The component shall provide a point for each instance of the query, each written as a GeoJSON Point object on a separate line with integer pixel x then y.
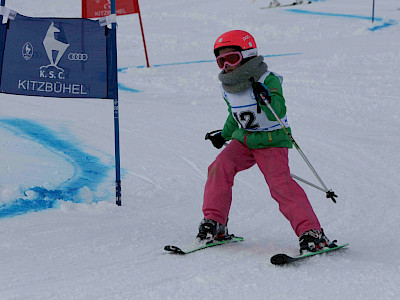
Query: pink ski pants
{"type": "Point", "coordinates": [274, 164]}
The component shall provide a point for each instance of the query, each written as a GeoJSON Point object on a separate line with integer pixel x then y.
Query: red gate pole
{"type": "Point", "coordinates": [83, 9]}
{"type": "Point", "coordinates": [141, 28]}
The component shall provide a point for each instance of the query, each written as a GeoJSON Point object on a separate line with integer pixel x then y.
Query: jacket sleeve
{"type": "Point", "coordinates": [273, 83]}
{"type": "Point", "coordinates": [230, 124]}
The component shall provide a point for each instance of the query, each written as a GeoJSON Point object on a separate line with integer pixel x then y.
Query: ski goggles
{"type": "Point", "coordinates": [234, 58]}
{"type": "Point", "coordinates": [231, 59]}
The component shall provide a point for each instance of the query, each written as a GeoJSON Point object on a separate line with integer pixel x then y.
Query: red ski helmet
{"type": "Point", "coordinates": [237, 38]}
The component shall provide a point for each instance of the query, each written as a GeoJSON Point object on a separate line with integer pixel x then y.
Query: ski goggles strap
{"type": "Point", "coordinates": [249, 53]}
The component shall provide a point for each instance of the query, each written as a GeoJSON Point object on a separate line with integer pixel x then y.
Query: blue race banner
{"type": "Point", "coordinates": [61, 58]}
{"type": "Point", "coordinates": [55, 57]}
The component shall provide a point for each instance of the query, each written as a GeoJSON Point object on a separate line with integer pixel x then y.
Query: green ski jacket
{"type": "Point", "coordinates": [235, 125]}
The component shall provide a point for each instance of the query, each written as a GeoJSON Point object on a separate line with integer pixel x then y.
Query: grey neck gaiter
{"type": "Point", "coordinates": [239, 80]}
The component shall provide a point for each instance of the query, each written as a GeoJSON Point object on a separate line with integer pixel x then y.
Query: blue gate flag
{"type": "Point", "coordinates": [61, 58]}
{"type": "Point", "coordinates": [56, 57]}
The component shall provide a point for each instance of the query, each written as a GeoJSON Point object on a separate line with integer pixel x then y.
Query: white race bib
{"type": "Point", "coordinates": [244, 110]}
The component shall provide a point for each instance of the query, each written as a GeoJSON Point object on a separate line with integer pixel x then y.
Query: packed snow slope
{"type": "Point", "coordinates": [341, 75]}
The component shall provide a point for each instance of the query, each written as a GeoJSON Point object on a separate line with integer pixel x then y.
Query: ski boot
{"type": "Point", "coordinates": [298, 2]}
{"type": "Point", "coordinates": [210, 230]}
{"type": "Point", "coordinates": [314, 240]}
{"type": "Point", "coordinates": [274, 3]}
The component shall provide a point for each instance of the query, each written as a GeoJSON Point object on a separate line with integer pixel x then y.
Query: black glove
{"type": "Point", "coordinates": [217, 140]}
{"type": "Point", "coordinates": [261, 92]}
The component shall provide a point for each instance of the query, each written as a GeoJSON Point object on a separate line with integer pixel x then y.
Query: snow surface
{"type": "Point", "coordinates": [342, 92]}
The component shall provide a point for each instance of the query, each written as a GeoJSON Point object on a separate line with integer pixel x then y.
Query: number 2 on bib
{"type": "Point", "coordinates": [246, 120]}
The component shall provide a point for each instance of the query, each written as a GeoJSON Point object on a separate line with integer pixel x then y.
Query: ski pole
{"type": "Point", "coordinates": [329, 193]}
{"type": "Point", "coordinates": [307, 182]}
{"type": "Point", "coordinates": [209, 134]}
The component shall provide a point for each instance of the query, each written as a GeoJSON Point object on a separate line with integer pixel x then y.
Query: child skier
{"type": "Point", "coordinates": [256, 138]}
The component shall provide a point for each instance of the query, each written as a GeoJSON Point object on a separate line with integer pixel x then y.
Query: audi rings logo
{"type": "Point", "coordinates": [78, 56]}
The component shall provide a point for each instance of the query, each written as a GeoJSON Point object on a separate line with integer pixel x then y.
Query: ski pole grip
{"type": "Point", "coordinates": [209, 134]}
{"type": "Point", "coordinates": [261, 93]}
{"type": "Point", "coordinates": [255, 95]}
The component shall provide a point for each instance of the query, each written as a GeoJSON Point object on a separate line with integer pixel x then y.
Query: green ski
{"type": "Point", "coordinates": [283, 259]}
{"type": "Point", "coordinates": [196, 246]}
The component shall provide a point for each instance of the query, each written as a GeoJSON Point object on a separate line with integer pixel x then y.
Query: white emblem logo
{"type": "Point", "coordinates": [51, 44]}
{"type": "Point", "coordinates": [27, 51]}
{"type": "Point", "coordinates": [108, 5]}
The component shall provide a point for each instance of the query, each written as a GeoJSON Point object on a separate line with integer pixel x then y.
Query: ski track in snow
{"type": "Point", "coordinates": [343, 98]}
